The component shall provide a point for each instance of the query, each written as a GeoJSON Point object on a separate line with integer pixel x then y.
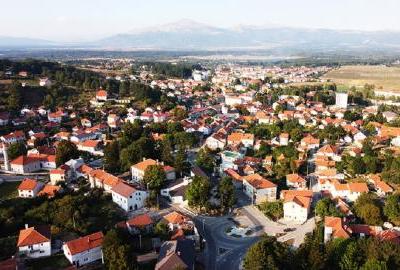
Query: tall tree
{"type": "Point", "coordinates": [268, 253]}
{"type": "Point", "coordinates": [16, 149]}
{"type": "Point", "coordinates": [198, 192]}
{"type": "Point", "coordinates": [65, 151]}
{"type": "Point", "coordinates": [111, 157]}
{"type": "Point", "coordinates": [118, 254]}
{"type": "Point", "coordinates": [226, 192]}
{"type": "Point", "coordinates": [154, 177]}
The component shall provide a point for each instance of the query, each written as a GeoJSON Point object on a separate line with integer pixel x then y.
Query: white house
{"type": "Point", "coordinates": [216, 141]}
{"type": "Point", "coordinates": [296, 205]}
{"type": "Point", "coordinates": [139, 169]}
{"type": "Point", "coordinates": [29, 188]}
{"type": "Point", "coordinates": [259, 189]}
{"type": "Point", "coordinates": [176, 190]}
{"type": "Point", "coordinates": [128, 197]}
{"type": "Point", "coordinates": [35, 242]}
{"type": "Point", "coordinates": [84, 250]}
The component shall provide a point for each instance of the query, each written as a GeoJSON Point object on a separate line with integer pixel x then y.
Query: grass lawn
{"type": "Point", "coordinates": [8, 190]}
{"type": "Point", "coordinates": [53, 262]}
{"type": "Point", "coordinates": [383, 77]}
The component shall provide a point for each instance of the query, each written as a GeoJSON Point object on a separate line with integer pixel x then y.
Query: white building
{"type": "Point", "coordinates": [296, 205]}
{"type": "Point", "coordinates": [29, 188]}
{"type": "Point", "coordinates": [35, 242]}
{"type": "Point", "coordinates": [128, 197]}
{"type": "Point", "coordinates": [259, 189]}
{"type": "Point", "coordinates": [84, 250]}
{"type": "Point", "coordinates": [138, 170]}
{"type": "Point", "coordinates": [341, 100]}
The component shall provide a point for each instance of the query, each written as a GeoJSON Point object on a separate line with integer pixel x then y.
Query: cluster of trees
{"type": "Point", "coordinates": [179, 70]}
{"type": "Point", "coordinates": [326, 207]}
{"type": "Point", "coordinates": [71, 211]}
{"type": "Point", "coordinates": [343, 254]}
{"type": "Point", "coordinates": [16, 149]}
{"type": "Point", "coordinates": [273, 210]}
{"type": "Point", "coordinates": [135, 143]}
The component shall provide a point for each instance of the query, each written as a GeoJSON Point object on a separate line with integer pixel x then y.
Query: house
{"type": "Point", "coordinates": [91, 146]}
{"type": "Point", "coordinates": [228, 159]}
{"type": "Point", "coordinates": [55, 117]}
{"type": "Point", "coordinates": [259, 189]}
{"type": "Point", "coordinates": [177, 254]}
{"type": "Point", "coordinates": [61, 174]}
{"type": "Point", "coordinates": [296, 205]}
{"type": "Point", "coordinates": [178, 222]}
{"type": "Point", "coordinates": [102, 179]}
{"type": "Point", "coordinates": [139, 169]}
{"type": "Point", "coordinates": [236, 138]}
{"type": "Point", "coordinates": [381, 187]}
{"type": "Point", "coordinates": [44, 82]}
{"type": "Point", "coordinates": [35, 242]}
{"type": "Point", "coordinates": [101, 95]}
{"type": "Point", "coordinates": [4, 118]}
{"type": "Point", "coordinates": [296, 181]}
{"type": "Point", "coordinates": [127, 197]}
{"type": "Point", "coordinates": [84, 250]}
{"type": "Point", "coordinates": [334, 228]}
{"type": "Point", "coordinates": [140, 223]}
{"type": "Point", "coordinates": [284, 139]}
{"type": "Point", "coordinates": [175, 191]}
{"type": "Point", "coordinates": [49, 191]}
{"type": "Point", "coordinates": [216, 141]}
{"type": "Point", "coordinates": [310, 142]}
{"type": "Point", "coordinates": [113, 120]}
{"type": "Point", "coordinates": [13, 137]}
{"type": "Point", "coordinates": [29, 188]}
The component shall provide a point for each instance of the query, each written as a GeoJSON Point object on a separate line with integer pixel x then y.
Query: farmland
{"type": "Point", "coordinates": [383, 77]}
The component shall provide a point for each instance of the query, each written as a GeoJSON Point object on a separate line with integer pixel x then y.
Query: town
{"type": "Point", "coordinates": [179, 166]}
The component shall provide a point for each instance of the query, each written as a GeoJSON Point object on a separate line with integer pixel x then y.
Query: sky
{"type": "Point", "coordinates": [84, 20]}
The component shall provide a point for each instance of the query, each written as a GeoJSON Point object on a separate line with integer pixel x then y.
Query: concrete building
{"type": "Point", "coordinates": [341, 100]}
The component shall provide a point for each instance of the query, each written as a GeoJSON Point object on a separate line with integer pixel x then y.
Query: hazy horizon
{"type": "Point", "coordinates": [76, 20]}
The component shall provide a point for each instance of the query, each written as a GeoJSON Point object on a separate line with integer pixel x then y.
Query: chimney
{"type": "Point", "coordinates": [26, 226]}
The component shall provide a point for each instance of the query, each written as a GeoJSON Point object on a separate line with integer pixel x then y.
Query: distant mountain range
{"type": "Point", "coordinates": [191, 35]}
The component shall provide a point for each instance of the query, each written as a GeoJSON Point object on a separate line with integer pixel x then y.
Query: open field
{"type": "Point", "coordinates": [383, 77]}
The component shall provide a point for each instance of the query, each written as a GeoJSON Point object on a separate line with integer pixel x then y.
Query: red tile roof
{"type": "Point", "coordinates": [85, 243]}
{"type": "Point", "coordinates": [31, 236]}
{"type": "Point", "coordinates": [123, 189]}
{"type": "Point", "coordinates": [28, 184]}
{"type": "Point", "coordinates": [140, 221]}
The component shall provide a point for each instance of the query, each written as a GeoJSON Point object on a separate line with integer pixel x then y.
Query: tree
{"type": "Point", "coordinates": [226, 192]}
{"type": "Point", "coordinates": [161, 229]}
{"type": "Point", "coordinates": [273, 210]}
{"type": "Point", "coordinates": [66, 150]}
{"type": "Point", "coordinates": [374, 264]}
{"type": "Point", "coordinates": [111, 157]}
{"type": "Point", "coordinates": [166, 152]}
{"type": "Point", "coordinates": [392, 208]}
{"type": "Point", "coordinates": [154, 177]}
{"type": "Point", "coordinates": [135, 152]}
{"type": "Point", "coordinates": [268, 254]}
{"type": "Point", "coordinates": [117, 252]}
{"type": "Point", "coordinates": [198, 192]}
{"type": "Point", "coordinates": [368, 209]}
{"type": "Point", "coordinates": [326, 207]}
{"type": "Point", "coordinates": [205, 160]}
{"type": "Point", "coordinates": [131, 132]}
{"type": "Point", "coordinates": [14, 101]}
{"type": "Point", "coordinates": [181, 165]}
{"type": "Point", "coordinates": [15, 150]}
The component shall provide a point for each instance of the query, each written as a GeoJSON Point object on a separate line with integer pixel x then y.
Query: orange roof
{"type": "Point", "coordinates": [24, 160]}
{"type": "Point", "coordinates": [90, 143]}
{"type": "Point", "coordinates": [258, 182]}
{"type": "Point", "coordinates": [390, 131]}
{"type": "Point", "coordinates": [85, 243]}
{"type": "Point", "coordinates": [28, 184]}
{"type": "Point", "coordinates": [30, 236]}
{"type": "Point", "coordinates": [175, 218]}
{"type": "Point", "coordinates": [328, 149]}
{"type": "Point", "coordinates": [358, 187]}
{"type": "Point", "coordinates": [142, 166]}
{"type": "Point", "coordinates": [237, 137]}
{"type": "Point", "coordinates": [140, 221]}
{"type": "Point", "coordinates": [123, 189]}
{"type": "Point", "coordinates": [292, 193]}
{"type": "Point", "coordinates": [101, 93]}
{"type": "Point", "coordinates": [85, 169]}
{"type": "Point", "coordinates": [383, 186]}
{"type": "Point", "coordinates": [57, 171]}
{"type": "Point", "coordinates": [235, 176]}
{"type": "Point", "coordinates": [310, 140]}
{"type": "Point", "coordinates": [295, 178]}
{"type": "Point", "coordinates": [300, 200]}
{"type": "Point", "coordinates": [338, 230]}
{"type": "Point", "coordinates": [49, 191]}
{"type": "Point", "coordinates": [104, 177]}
